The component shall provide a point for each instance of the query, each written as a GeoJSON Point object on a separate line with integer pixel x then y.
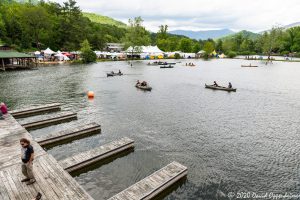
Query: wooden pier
{"type": "Point", "coordinates": [81, 160]}
{"type": "Point", "coordinates": [70, 134]}
{"type": "Point", "coordinates": [51, 179]}
{"type": "Point", "coordinates": [35, 110]}
{"type": "Point", "coordinates": [50, 120]}
{"type": "Point", "coordinates": [154, 184]}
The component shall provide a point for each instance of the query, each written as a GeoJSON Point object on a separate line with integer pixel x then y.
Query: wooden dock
{"type": "Point", "coordinates": [81, 160]}
{"type": "Point", "coordinates": [35, 110]}
{"type": "Point", "coordinates": [154, 184]}
{"type": "Point", "coordinates": [50, 120]}
{"type": "Point", "coordinates": [52, 180]}
{"type": "Point", "coordinates": [70, 134]}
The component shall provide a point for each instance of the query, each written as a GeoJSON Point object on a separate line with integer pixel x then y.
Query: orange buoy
{"type": "Point", "coordinates": [90, 94]}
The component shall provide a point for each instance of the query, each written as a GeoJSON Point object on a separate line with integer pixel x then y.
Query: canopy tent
{"type": "Point", "coordinates": [145, 50]}
{"type": "Point", "coordinates": [61, 56]}
{"type": "Point", "coordinates": [66, 53]}
{"type": "Point", "coordinates": [48, 51]}
{"type": "Point", "coordinates": [222, 55]}
{"type": "Point", "coordinates": [214, 53]}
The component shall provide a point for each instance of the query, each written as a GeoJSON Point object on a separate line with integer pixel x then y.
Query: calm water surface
{"type": "Point", "coordinates": [246, 141]}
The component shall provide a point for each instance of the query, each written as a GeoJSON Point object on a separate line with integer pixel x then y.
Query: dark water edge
{"type": "Point", "coordinates": [246, 141]}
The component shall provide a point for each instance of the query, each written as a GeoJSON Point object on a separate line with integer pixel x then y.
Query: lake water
{"type": "Point", "coordinates": [246, 141]}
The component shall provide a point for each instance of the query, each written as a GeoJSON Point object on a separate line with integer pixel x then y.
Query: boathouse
{"type": "Point", "coordinates": [10, 59]}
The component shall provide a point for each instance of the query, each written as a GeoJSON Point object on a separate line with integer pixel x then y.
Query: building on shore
{"type": "Point", "coordinates": [114, 47]}
{"type": "Point", "coordinates": [15, 60]}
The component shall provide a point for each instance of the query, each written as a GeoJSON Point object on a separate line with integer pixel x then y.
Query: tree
{"type": "Point", "coordinates": [2, 28]}
{"type": "Point", "coordinates": [271, 40]}
{"type": "Point", "coordinates": [196, 47]}
{"type": "Point", "coordinates": [291, 39]}
{"type": "Point", "coordinates": [219, 46]}
{"type": "Point", "coordinates": [163, 44]}
{"type": "Point", "coordinates": [34, 21]}
{"type": "Point", "coordinates": [162, 32]}
{"type": "Point", "coordinates": [185, 45]}
{"type": "Point", "coordinates": [136, 35]}
{"type": "Point", "coordinates": [208, 47]}
{"type": "Point", "coordinates": [87, 54]}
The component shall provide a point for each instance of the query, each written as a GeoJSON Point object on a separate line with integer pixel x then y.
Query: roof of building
{"type": "Point", "coordinates": [14, 54]}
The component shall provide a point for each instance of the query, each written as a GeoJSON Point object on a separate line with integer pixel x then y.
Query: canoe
{"type": "Point", "coordinates": [146, 88]}
{"type": "Point", "coordinates": [114, 74]}
{"type": "Point", "coordinates": [249, 66]}
{"type": "Point", "coordinates": [165, 66]}
{"type": "Point", "coordinates": [162, 63]}
{"type": "Point", "coordinates": [220, 88]}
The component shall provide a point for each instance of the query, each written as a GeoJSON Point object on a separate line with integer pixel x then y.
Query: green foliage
{"type": "Point", "coordinates": [177, 56]}
{"type": "Point", "coordinates": [196, 48]}
{"type": "Point", "coordinates": [163, 32]}
{"type": "Point", "coordinates": [100, 19]}
{"type": "Point", "coordinates": [49, 24]}
{"type": "Point", "coordinates": [272, 40]}
{"type": "Point", "coordinates": [231, 54]}
{"type": "Point", "coordinates": [185, 45]}
{"type": "Point", "coordinates": [208, 47]}
{"type": "Point", "coordinates": [87, 54]}
{"type": "Point", "coordinates": [244, 34]}
{"type": "Point", "coordinates": [136, 35]}
{"type": "Point", "coordinates": [219, 46]}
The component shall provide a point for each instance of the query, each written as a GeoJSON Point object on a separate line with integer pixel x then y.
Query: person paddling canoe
{"type": "Point", "coordinates": [215, 84]}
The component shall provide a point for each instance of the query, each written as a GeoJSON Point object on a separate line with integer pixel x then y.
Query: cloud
{"type": "Point", "coordinates": [255, 15]}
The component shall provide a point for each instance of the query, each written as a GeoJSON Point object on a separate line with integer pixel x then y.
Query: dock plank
{"type": "Point", "coordinates": [83, 159]}
{"type": "Point", "coordinates": [49, 120]}
{"type": "Point", "coordinates": [62, 136]}
{"type": "Point", "coordinates": [35, 110]}
{"type": "Point", "coordinates": [52, 180]}
{"type": "Point", "coordinates": [154, 184]}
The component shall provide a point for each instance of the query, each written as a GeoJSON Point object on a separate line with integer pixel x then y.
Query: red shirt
{"type": "Point", "coordinates": [3, 109]}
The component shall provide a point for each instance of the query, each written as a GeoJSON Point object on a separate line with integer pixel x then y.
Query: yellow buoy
{"type": "Point", "coordinates": [90, 94]}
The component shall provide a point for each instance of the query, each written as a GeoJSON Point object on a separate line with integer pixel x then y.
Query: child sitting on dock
{"type": "Point", "coordinates": [3, 110]}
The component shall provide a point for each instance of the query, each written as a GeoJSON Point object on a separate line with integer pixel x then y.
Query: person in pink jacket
{"type": "Point", "coordinates": [3, 110]}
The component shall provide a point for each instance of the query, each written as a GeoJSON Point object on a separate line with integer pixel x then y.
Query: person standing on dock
{"type": "Point", "coordinates": [27, 157]}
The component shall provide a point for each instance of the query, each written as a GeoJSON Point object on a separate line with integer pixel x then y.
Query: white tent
{"type": "Point", "coordinates": [145, 49]}
{"type": "Point", "coordinates": [201, 52]}
{"type": "Point", "coordinates": [37, 53]}
{"type": "Point", "coordinates": [48, 51]}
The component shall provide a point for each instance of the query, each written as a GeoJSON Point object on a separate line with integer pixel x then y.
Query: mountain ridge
{"type": "Point", "coordinates": [203, 35]}
{"type": "Point", "coordinates": [101, 19]}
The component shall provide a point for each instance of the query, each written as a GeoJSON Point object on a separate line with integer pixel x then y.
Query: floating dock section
{"type": "Point", "coordinates": [70, 134]}
{"type": "Point", "coordinates": [50, 120]}
{"type": "Point", "coordinates": [84, 159]}
{"type": "Point", "coordinates": [35, 110]}
{"type": "Point", "coordinates": [52, 181]}
{"type": "Point", "coordinates": [154, 184]}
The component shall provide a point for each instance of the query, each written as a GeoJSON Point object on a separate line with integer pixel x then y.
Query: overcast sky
{"type": "Point", "coordinates": [254, 15]}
